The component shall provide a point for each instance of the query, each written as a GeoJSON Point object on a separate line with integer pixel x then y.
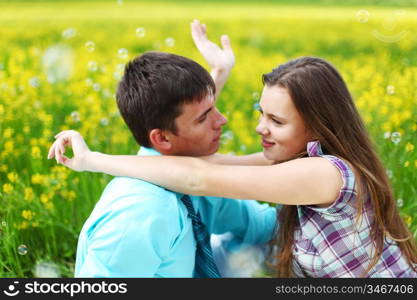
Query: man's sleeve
{"type": "Point", "coordinates": [248, 220]}
{"type": "Point", "coordinates": [131, 241]}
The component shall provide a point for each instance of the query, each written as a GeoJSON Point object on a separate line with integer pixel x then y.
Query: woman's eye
{"type": "Point", "coordinates": [276, 122]}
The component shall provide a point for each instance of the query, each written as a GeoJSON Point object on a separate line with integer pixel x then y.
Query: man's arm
{"type": "Point", "coordinates": [249, 221]}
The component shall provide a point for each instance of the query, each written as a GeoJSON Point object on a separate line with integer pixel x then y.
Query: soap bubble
{"type": "Point", "coordinates": [92, 66]}
{"type": "Point", "coordinates": [57, 63]}
{"type": "Point", "coordinates": [90, 46]}
{"type": "Point", "coordinates": [170, 42]}
{"type": "Point", "coordinates": [69, 33]}
{"type": "Point", "coordinates": [396, 137]}
{"type": "Point", "coordinates": [362, 15]}
{"type": "Point", "coordinates": [46, 269]}
{"type": "Point", "coordinates": [122, 53]}
{"type": "Point", "coordinates": [140, 32]}
{"type": "Point", "coordinates": [22, 249]}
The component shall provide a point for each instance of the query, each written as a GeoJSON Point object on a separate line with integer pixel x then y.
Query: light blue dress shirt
{"type": "Point", "coordinates": [138, 229]}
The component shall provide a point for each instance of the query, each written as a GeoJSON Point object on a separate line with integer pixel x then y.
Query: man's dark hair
{"type": "Point", "coordinates": [153, 89]}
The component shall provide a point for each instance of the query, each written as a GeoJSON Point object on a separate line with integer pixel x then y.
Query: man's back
{"type": "Point", "coordinates": [137, 229]}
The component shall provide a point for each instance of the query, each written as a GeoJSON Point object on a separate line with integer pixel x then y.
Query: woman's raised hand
{"type": "Point", "coordinates": [73, 139]}
{"type": "Point", "coordinates": [217, 58]}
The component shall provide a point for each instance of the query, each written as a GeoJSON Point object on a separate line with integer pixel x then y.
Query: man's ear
{"type": "Point", "coordinates": [160, 140]}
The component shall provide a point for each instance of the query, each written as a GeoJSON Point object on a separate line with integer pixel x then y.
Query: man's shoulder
{"type": "Point", "coordinates": [129, 186]}
{"type": "Point", "coordinates": [124, 192]}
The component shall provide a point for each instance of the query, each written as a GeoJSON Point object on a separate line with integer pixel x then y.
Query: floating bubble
{"type": "Point", "coordinates": [89, 82]}
{"type": "Point", "coordinates": [92, 66]}
{"type": "Point", "coordinates": [37, 104]}
{"type": "Point", "coordinates": [170, 42]}
{"type": "Point", "coordinates": [400, 202]}
{"type": "Point", "coordinates": [390, 38]}
{"type": "Point", "coordinates": [104, 121]}
{"type": "Point", "coordinates": [57, 62]}
{"type": "Point", "coordinates": [387, 135]}
{"type": "Point", "coordinates": [120, 2]}
{"type": "Point", "coordinates": [1, 67]}
{"type": "Point", "coordinates": [122, 53]}
{"type": "Point", "coordinates": [97, 87]}
{"type": "Point", "coordinates": [389, 173]}
{"type": "Point", "coordinates": [34, 82]}
{"type": "Point", "coordinates": [390, 90]}
{"type": "Point", "coordinates": [243, 147]}
{"type": "Point", "coordinates": [106, 93]}
{"type": "Point", "coordinates": [117, 75]}
{"type": "Point", "coordinates": [256, 106]}
{"type": "Point", "coordinates": [90, 46]}
{"type": "Point", "coordinates": [75, 116]}
{"type": "Point", "coordinates": [255, 96]}
{"type": "Point", "coordinates": [69, 33]}
{"type": "Point", "coordinates": [362, 15]}
{"type": "Point", "coordinates": [120, 67]}
{"type": "Point", "coordinates": [396, 137]}
{"type": "Point", "coordinates": [226, 137]}
{"type": "Point", "coordinates": [46, 269]}
{"type": "Point", "coordinates": [140, 32]}
{"type": "Point", "coordinates": [22, 249]}
{"type": "Point", "coordinates": [4, 223]}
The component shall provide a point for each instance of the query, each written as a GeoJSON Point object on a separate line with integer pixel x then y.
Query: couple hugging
{"type": "Point", "coordinates": [335, 214]}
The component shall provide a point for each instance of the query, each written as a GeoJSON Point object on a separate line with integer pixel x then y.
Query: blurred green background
{"type": "Point", "coordinates": [60, 62]}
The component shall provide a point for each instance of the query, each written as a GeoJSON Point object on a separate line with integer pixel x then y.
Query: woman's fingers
{"type": "Point", "coordinates": [226, 42]}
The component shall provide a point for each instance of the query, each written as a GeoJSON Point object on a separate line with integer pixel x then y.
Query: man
{"type": "Point", "coordinates": [138, 229]}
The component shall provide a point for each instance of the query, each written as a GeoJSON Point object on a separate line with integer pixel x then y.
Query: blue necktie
{"type": "Point", "coordinates": [204, 262]}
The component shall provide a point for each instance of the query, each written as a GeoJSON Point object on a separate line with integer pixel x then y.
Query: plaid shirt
{"type": "Point", "coordinates": [329, 242]}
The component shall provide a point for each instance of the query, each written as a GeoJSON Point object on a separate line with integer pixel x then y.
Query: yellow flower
{"type": "Point", "coordinates": [23, 225]}
{"type": "Point", "coordinates": [28, 194]}
{"type": "Point", "coordinates": [8, 146]}
{"type": "Point", "coordinates": [12, 177]}
{"type": "Point", "coordinates": [27, 214]}
{"type": "Point", "coordinates": [1, 109]}
{"type": "Point", "coordinates": [408, 220]}
{"type": "Point", "coordinates": [415, 163]}
{"type": "Point", "coordinates": [409, 147]}
{"type": "Point", "coordinates": [44, 199]}
{"type": "Point", "coordinates": [406, 164]}
{"type": "Point", "coordinates": [7, 188]}
{"type": "Point", "coordinates": [3, 168]}
{"type": "Point", "coordinates": [71, 195]}
{"type": "Point", "coordinates": [36, 152]}
{"type": "Point", "coordinates": [38, 179]}
{"type": "Point", "coordinates": [26, 129]}
{"type": "Point", "coordinates": [8, 132]}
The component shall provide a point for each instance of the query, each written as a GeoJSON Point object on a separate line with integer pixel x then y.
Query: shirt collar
{"type": "Point", "coordinates": [148, 151]}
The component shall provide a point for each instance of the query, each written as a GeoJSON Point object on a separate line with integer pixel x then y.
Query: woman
{"type": "Point", "coordinates": [338, 216]}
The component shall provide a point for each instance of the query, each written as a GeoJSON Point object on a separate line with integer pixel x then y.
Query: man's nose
{"type": "Point", "coordinates": [220, 119]}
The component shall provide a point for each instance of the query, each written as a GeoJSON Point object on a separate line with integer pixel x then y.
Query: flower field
{"type": "Point", "coordinates": [59, 67]}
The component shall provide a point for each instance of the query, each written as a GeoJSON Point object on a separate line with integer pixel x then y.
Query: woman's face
{"type": "Point", "coordinates": [283, 132]}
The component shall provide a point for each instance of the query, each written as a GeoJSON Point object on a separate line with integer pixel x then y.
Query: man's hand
{"type": "Point", "coordinates": [218, 59]}
{"type": "Point", "coordinates": [80, 149]}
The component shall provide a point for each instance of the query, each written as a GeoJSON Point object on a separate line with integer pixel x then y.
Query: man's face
{"type": "Point", "coordinates": [198, 129]}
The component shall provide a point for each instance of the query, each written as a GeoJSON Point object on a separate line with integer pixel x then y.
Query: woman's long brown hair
{"type": "Point", "coordinates": [321, 97]}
